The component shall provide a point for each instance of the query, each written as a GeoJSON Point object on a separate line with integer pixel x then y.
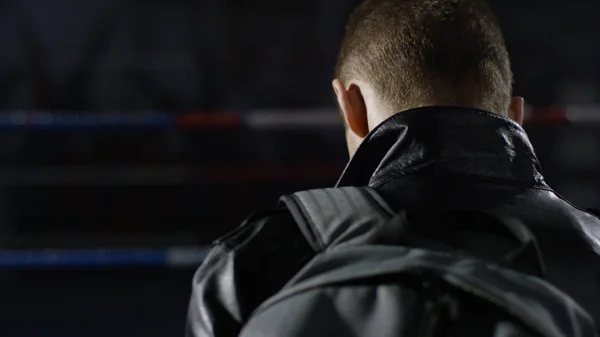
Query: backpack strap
{"type": "Point", "coordinates": [330, 217]}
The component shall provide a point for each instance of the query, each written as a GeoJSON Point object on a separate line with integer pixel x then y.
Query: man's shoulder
{"type": "Point", "coordinates": [258, 226]}
{"type": "Point", "coordinates": [244, 268]}
{"type": "Point", "coordinates": [555, 214]}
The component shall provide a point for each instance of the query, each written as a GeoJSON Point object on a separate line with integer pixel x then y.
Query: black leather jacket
{"type": "Point", "coordinates": [434, 158]}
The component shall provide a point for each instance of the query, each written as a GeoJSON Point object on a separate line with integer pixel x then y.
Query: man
{"type": "Point", "coordinates": [424, 88]}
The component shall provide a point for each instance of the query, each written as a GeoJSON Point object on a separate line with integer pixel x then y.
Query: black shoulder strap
{"type": "Point", "coordinates": [328, 217]}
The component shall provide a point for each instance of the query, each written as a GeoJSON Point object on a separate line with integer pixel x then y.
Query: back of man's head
{"type": "Point", "coordinates": [428, 52]}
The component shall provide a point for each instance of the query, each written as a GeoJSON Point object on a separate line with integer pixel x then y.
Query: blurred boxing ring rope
{"type": "Point", "coordinates": [263, 119]}
{"type": "Point", "coordinates": [253, 119]}
{"type": "Point", "coordinates": [170, 257]}
{"type": "Point", "coordinates": [173, 257]}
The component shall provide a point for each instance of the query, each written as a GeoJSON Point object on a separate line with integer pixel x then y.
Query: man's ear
{"type": "Point", "coordinates": [516, 110]}
{"type": "Point", "coordinates": [353, 107]}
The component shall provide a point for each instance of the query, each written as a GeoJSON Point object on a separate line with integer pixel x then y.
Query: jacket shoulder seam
{"type": "Point", "coordinates": [250, 222]}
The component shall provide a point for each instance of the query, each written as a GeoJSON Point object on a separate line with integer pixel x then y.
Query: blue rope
{"type": "Point", "coordinates": [82, 258]}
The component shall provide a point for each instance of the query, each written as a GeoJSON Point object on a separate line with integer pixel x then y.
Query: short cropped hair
{"type": "Point", "coordinates": [428, 52]}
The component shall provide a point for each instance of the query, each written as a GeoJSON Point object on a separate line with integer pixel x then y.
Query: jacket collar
{"type": "Point", "coordinates": [444, 142]}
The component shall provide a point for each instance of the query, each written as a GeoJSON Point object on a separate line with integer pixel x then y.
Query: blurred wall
{"type": "Point", "coordinates": [130, 54]}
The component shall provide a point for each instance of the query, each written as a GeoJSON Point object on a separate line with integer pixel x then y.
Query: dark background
{"type": "Point", "coordinates": [259, 73]}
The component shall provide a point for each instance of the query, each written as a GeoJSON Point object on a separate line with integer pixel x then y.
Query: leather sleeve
{"type": "Point", "coordinates": [245, 267]}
